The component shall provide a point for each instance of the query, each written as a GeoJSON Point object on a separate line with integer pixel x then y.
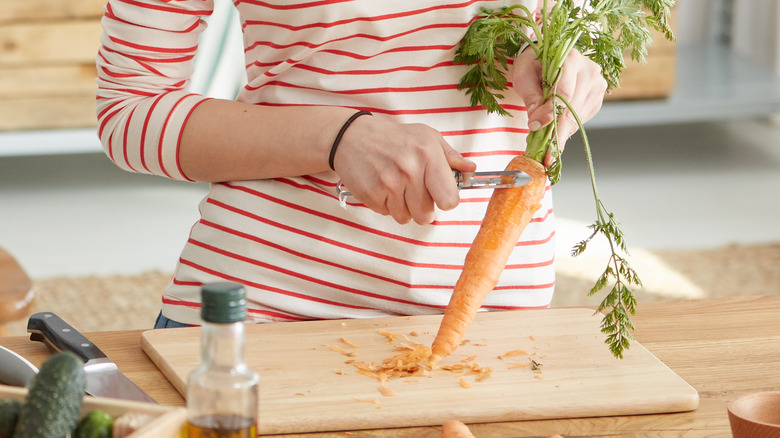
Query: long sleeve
{"type": "Point", "coordinates": [144, 65]}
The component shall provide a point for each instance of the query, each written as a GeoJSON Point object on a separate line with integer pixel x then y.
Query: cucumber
{"type": "Point", "coordinates": [9, 414]}
{"type": "Point", "coordinates": [54, 399]}
{"type": "Point", "coordinates": [96, 424]}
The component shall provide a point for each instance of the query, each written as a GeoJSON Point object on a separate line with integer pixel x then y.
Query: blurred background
{"type": "Point", "coordinates": [687, 151]}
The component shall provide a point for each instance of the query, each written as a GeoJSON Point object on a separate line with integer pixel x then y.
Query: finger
{"type": "Point", "coordinates": [456, 161]}
{"type": "Point", "coordinates": [421, 205]}
{"type": "Point", "coordinates": [527, 80]}
{"type": "Point", "coordinates": [375, 204]}
{"type": "Point", "coordinates": [396, 204]}
{"type": "Point", "coordinates": [438, 178]}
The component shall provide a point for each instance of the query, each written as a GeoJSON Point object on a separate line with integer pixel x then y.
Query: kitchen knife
{"type": "Point", "coordinates": [103, 377]}
{"type": "Point", "coordinates": [15, 370]}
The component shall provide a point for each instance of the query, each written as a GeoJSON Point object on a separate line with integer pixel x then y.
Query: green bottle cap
{"type": "Point", "coordinates": [223, 303]}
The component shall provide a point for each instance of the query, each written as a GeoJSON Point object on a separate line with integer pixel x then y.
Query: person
{"type": "Point", "coordinates": [272, 219]}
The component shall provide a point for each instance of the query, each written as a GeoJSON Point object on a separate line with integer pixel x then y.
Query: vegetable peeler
{"type": "Point", "coordinates": [503, 179]}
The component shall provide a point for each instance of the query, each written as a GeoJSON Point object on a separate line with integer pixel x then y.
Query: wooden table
{"type": "Point", "coordinates": [723, 347]}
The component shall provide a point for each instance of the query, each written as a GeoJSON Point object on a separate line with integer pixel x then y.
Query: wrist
{"type": "Point", "coordinates": [334, 147]}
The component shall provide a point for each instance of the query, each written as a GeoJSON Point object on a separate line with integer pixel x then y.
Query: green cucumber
{"type": "Point", "coordinates": [96, 424]}
{"type": "Point", "coordinates": [54, 399]}
{"type": "Point", "coordinates": [9, 415]}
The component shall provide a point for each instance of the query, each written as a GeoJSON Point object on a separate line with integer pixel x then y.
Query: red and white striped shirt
{"type": "Point", "coordinates": [299, 253]}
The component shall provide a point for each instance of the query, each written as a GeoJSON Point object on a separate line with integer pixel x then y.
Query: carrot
{"type": "Point", "coordinates": [455, 429]}
{"type": "Point", "coordinates": [508, 213]}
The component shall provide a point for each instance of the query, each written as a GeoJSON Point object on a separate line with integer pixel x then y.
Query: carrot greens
{"type": "Point", "coordinates": [603, 30]}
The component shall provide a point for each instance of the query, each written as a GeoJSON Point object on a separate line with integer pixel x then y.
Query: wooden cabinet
{"type": "Point", "coordinates": [47, 63]}
{"type": "Point", "coordinates": [654, 79]}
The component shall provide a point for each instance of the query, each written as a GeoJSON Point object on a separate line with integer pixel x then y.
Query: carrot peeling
{"type": "Point", "coordinates": [513, 353]}
{"type": "Point", "coordinates": [386, 391]}
{"type": "Point", "coordinates": [348, 343]}
{"type": "Point", "coordinates": [508, 213]}
{"type": "Point", "coordinates": [340, 350]}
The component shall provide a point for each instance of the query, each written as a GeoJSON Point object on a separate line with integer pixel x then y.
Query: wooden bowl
{"type": "Point", "coordinates": [756, 415]}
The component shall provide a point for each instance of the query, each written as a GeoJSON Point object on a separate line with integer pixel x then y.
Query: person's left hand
{"type": "Point", "coordinates": [581, 83]}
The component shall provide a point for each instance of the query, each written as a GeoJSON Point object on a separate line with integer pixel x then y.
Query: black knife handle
{"type": "Point", "coordinates": [58, 335]}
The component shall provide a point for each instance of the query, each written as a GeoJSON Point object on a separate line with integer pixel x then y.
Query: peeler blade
{"type": "Point", "coordinates": [502, 179]}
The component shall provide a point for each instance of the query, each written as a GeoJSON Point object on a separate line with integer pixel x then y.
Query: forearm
{"type": "Point", "coordinates": [226, 140]}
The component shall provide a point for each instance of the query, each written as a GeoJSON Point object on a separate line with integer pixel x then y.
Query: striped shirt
{"type": "Point", "coordinates": [300, 254]}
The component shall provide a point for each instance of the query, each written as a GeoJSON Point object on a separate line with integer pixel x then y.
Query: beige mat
{"type": "Point", "coordinates": [132, 302]}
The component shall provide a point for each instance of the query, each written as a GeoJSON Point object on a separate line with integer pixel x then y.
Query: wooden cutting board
{"type": "Point", "coordinates": [307, 386]}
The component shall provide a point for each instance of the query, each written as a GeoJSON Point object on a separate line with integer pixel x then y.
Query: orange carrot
{"type": "Point", "coordinates": [508, 213]}
{"type": "Point", "coordinates": [455, 429]}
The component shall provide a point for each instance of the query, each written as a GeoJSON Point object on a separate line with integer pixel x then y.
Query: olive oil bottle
{"type": "Point", "coordinates": [222, 393]}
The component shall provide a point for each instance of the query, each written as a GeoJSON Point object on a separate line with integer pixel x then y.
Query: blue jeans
{"type": "Point", "coordinates": [163, 322]}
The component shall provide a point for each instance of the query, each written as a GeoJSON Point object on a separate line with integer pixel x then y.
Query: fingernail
{"type": "Point", "coordinates": [534, 125]}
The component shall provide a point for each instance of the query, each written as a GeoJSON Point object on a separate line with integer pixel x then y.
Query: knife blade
{"type": "Point", "coordinates": [16, 370]}
{"type": "Point", "coordinates": [103, 377]}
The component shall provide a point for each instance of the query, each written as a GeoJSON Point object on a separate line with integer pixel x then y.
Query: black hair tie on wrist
{"type": "Point", "coordinates": [341, 134]}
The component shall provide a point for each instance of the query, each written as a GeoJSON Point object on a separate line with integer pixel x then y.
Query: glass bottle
{"type": "Point", "coordinates": [222, 393]}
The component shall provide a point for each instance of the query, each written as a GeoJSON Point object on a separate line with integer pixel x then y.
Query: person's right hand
{"type": "Point", "coordinates": [401, 170]}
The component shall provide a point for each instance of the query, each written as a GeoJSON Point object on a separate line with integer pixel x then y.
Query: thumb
{"type": "Point", "coordinates": [457, 161]}
{"type": "Point", "coordinates": [527, 83]}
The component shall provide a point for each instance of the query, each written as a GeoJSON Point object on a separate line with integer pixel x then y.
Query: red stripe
{"type": "Point", "coordinates": [293, 6]}
{"type": "Point", "coordinates": [479, 222]}
{"type": "Point", "coordinates": [165, 8]}
{"type": "Point", "coordinates": [192, 304]}
{"type": "Point", "coordinates": [302, 277]}
{"type": "Point", "coordinates": [161, 140]}
{"type": "Point", "coordinates": [139, 59]}
{"type": "Point", "coordinates": [358, 226]}
{"type": "Point", "coordinates": [510, 152]}
{"type": "Point", "coordinates": [359, 250]}
{"type": "Point", "coordinates": [332, 242]}
{"type": "Point", "coordinates": [332, 264]}
{"type": "Point", "coordinates": [106, 119]}
{"type": "Point", "coordinates": [267, 288]}
{"type": "Point", "coordinates": [543, 306]}
{"type": "Point", "coordinates": [124, 139]}
{"type": "Point", "coordinates": [393, 50]}
{"type": "Point", "coordinates": [142, 140]}
{"type": "Point", "coordinates": [363, 72]}
{"type": "Point", "coordinates": [111, 149]}
{"type": "Point", "coordinates": [326, 262]}
{"type": "Point", "coordinates": [186, 283]}
{"type": "Point", "coordinates": [510, 129]}
{"type": "Point", "coordinates": [178, 142]}
{"type": "Point", "coordinates": [117, 75]}
{"type": "Point", "coordinates": [359, 19]}
{"type": "Point", "coordinates": [309, 279]}
{"type": "Point", "coordinates": [305, 297]}
{"type": "Point", "coordinates": [355, 36]}
{"type": "Point", "coordinates": [445, 110]}
{"type": "Point", "coordinates": [360, 90]}
{"type": "Point", "coordinates": [331, 218]}
{"type": "Point", "coordinates": [162, 137]}
{"type": "Point", "coordinates": [132, 45]}
{"type": "Point", "coordinates": [336, 219]}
